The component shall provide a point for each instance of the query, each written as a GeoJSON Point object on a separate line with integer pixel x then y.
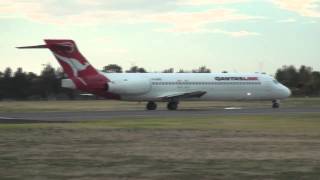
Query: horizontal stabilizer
{"type": "Point", "coordinates": [53, 45]}
{"type": "Point", "coordinates": [33, 47]}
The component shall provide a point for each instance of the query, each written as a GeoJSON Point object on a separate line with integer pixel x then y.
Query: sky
{"type": "Point", "coordinates": [231, 35]}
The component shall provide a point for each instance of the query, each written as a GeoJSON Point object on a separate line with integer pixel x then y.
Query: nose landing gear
{"type": "Point", "coordinates": [275, 104]}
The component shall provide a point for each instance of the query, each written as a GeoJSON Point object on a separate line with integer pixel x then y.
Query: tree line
{"type": "Point", "coordinates": [21, 85]}
{"type": "Point", "coordinates": [303, 81]}
{"type": "Point", "coordinates": [114, 68]}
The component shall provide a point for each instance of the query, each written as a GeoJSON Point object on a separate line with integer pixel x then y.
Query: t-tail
{"type": "Point", "coordinates": [81, 74]}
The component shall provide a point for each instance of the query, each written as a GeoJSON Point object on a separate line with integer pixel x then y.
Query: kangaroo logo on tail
{"type": "Point", "coordinates": [74, 64]}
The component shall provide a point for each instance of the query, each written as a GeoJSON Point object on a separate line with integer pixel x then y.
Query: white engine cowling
{"type": "Point", "coordinates": [129, 86]}
{"type": "Point", "coordinates": [68, 83]}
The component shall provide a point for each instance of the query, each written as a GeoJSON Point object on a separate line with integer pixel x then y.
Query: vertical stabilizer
{"type": "Point", "coordinates": [82, 75]}
{"type": "Point", "coordinates": [72, 61]}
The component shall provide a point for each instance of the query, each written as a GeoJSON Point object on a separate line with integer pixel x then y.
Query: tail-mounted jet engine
{"type": "Point", "coordinates": [129, 86]}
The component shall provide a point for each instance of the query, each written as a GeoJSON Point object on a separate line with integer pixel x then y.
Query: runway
{"type": "Point", "coordinates": [108, 115]}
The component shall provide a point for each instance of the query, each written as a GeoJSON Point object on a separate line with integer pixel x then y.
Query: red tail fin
{"type": "Point", "coordinates": [74, 64]}
{"type": "Point", "coordinates": [72, 61]}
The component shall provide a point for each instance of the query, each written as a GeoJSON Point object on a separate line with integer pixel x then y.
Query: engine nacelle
{"type": "Point", "coordinates": [68, 83]}
{"type": "Point", "coordinates": [129, 86]}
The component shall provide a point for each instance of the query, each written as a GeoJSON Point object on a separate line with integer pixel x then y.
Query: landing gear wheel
{"type": "Point", "coordinates": [275, 104]}
{"type": "Point", "coordinates": [151, 106]}
{"type": "Point", "coordinates": [172, 106]}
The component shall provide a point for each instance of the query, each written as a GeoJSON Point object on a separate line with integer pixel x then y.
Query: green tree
{"type": "Point", "coordinates": [1, 85]}
{"type": "Point", "coordinates": [49, 83]}
{"type": "Point", "coordinates": [202, 69]}
{"type": "Point", "coordinates": [20, 84]}
{"type": "Point", "coordinates": [289, 76]}
{"type": "Point", "coordinates": [6, 84]}
{"type": "Point", "coordinates": [136, 69]}
{"type": "Point", "coordinates": [170, 70]}
{"type": "Point", "coordinates": [34, 85]}
{"type": "Point", "coordinates": [304, 80]}
{"type": "Point", "coordinates": [313, 87]}
{"type": "Point", "coordinates": [112, 68]}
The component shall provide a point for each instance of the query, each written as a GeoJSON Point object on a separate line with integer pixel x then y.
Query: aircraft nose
{"type": "Point", "coordinates": [286, 92]}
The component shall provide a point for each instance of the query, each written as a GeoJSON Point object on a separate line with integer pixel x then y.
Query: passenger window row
{"type": "Point", "coordinates": [206, 83]}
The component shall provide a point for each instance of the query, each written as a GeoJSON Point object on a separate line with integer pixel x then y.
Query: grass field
{"type": "Point", "coordinates": [243, 147]}
{"type": "Point", "coordinates": [217, 147]}
{"type": "Point", "coordinates": [103, 105]}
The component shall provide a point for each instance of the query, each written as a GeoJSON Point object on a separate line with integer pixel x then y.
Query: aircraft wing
{"type": "Point", "coordinates": [183, 95]}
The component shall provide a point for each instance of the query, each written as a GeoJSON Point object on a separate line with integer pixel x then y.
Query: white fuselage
{"type": "Point", "coordinates": [151, 87]}
{"type": "Point", "coordinates": [218, 86]}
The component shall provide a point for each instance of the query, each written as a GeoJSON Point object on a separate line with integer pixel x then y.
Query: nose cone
{"type": "Point", "coordinates": [285, 92]}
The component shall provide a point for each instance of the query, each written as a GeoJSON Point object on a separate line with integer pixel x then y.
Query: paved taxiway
{"type": "Point", "coordinates": [107, 115]}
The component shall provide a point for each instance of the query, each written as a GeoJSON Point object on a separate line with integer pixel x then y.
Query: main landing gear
{"type": "Point", "coordinates": [275, 104]}
{"type": "Point", "coordinates": [151, 106]}
{"type": "Point", "coordinates": [172, 105]}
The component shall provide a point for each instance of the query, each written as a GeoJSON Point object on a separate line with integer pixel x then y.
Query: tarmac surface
{"type": "Point", "coordinates": [32, 117]}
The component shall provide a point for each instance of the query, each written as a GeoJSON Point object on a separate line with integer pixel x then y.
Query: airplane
{"type": "Point", "coordinates": [161, 87]}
